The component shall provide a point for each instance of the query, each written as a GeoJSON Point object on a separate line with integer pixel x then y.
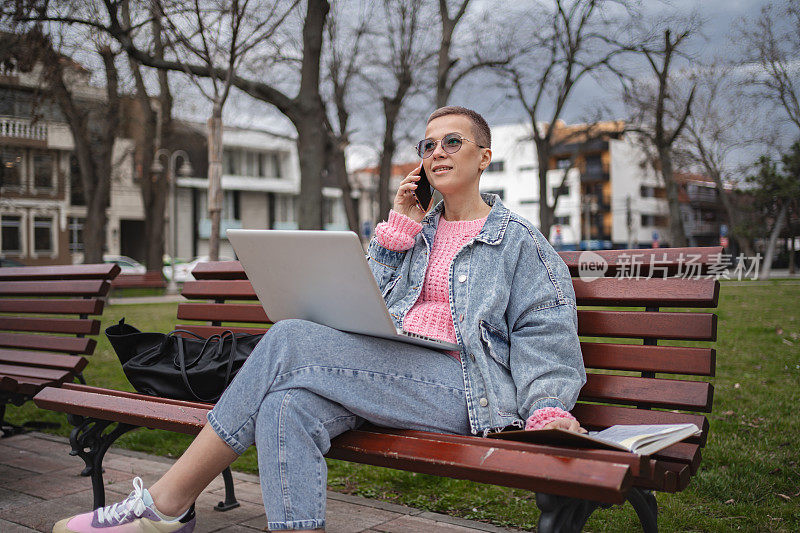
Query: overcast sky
{"type": "Point", "coordinates": [489, 98]}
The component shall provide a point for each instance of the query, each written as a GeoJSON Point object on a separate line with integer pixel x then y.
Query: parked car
{"type": "Point", "coordinates": [183, 271]}
{"type": "Point", "coordinates": [5, 262]}
{"type": "Point", "coordinates": [127, 265]}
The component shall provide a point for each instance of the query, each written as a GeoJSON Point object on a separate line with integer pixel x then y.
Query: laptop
{"type": "Point", "coordinates": [321, 276]}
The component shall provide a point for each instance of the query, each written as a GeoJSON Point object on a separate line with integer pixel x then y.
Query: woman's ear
{"type": "Point", "coordinates": [486, 158]}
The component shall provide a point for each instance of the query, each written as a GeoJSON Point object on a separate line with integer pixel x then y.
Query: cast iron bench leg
{"type": "Point", "coordinates": [561, 514]}
{"type": "Point", "coordinates": [90, 443]}
{"type": "Point", "coordinates": [230, 496]}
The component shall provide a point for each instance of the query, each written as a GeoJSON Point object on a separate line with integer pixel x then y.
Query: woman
{"type": "Point", "coordinates": [470, 272]}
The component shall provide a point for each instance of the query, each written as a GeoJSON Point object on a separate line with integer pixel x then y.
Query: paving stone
{"type": "Point", "coordinates": [209, 520]}
{"type": "Point", "coordinates": [38, 463]}
{"type": "Point", "coordinates": [238, 528]}
{"type": "Point", "coordinates": [41, 518]}
{"type": "Point", "coordinates": [50, 485]}
{"type": "Point", "coordinates": [11, 498]}
{"type": "Point", "coordinates": [415, 524]}
{"type": "Point", "coordinates": [245, 492]}
{"type": "Point", "coordinates": [342, 517]}
{"type": "Point", "coordinates": [10, 473]}
{"type": "Point", "coordinates": [40, 445]}
{"type": "Point", "coordinates": [11, 527]}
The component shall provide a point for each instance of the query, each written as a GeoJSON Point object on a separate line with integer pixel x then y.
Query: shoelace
{"type": "Point", "coordinates": [134, 503]}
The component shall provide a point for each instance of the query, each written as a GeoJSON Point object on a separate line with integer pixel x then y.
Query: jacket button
{"type": "Point", "coordinates": [484, 402]}
{"type": "Point", "coordinates": [472, 356]}
{"type": "Point", "coordinates": [462, 278]}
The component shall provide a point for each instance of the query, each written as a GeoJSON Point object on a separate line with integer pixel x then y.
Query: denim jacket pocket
{"type": "Point", "coordinates": [497, 343]}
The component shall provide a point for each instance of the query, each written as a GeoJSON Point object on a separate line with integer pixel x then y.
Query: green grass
{"type": "Point", "coordinates": [752, 457]}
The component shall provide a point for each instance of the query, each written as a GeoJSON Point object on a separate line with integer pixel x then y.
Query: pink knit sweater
{"type": "Point", "coordinates": [430, 315]}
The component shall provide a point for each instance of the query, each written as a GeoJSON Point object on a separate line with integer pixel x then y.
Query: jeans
{"type": "Point", "coordinates": [304, 384]}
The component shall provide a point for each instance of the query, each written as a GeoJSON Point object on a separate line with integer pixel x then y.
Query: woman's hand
{"type": "Point", "coordinates": [405, 201]}
{"type": "Point", "coordinates": [569, 424]}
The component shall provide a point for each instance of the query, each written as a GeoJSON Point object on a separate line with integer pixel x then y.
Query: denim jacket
{"type": "Point", "coordinates": [513, 309]}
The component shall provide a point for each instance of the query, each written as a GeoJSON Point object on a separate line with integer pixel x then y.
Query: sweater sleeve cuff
{"type": "Point", "coordinates": [541, 417]}
{"type": "Point", "coordinates": [398, 232]}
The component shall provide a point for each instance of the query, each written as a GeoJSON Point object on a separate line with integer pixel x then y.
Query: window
{"type": "Point", "coordinates": [653, 220]}
{"type": "Point", "coordinates": [42, 170]}
{"type": "Point", "coordinates": [285, 208]}
{"type": "Point", "coordinates": [496, 166]}
{"type": "Point", "coordinates": [562, 191]}
{"type": "Point", "coordinates": [10, 167]}
{"type": "Point", "coordinates": [649, 191]}
{"type": "Point", "coordinates": [563, 163]}
{"type": "Point", "coordinates": [11, 235]}
{"type": "Point", "coordinates": [42, 234]}
{"type": "Point", "coordinates": [229, 162]}
{"type": "Point", "coordinates": [564, 221]}
{"type": "Point", "coordinates": [526, 168]}
{"type": "Point", "coordinates": [76, 234]}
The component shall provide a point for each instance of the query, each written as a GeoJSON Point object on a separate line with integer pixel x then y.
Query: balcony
{"type": "Point", "coordinates": [593, 174]}
{"type": "Point", "coordinates": [20, 128]}
{"type": "Point", "coordinates": [704, 228]}
{"type": "Point", "coordinates": [706, 195]}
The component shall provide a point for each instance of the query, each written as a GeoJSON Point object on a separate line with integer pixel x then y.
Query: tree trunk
{"type": "Point", "coordinates": [391, 109]}
{"type": "Point", "coordinates": [444, 62]}
{"type": "Point", "coordinates": [311, 140]}
{"type": "Point", "coordinates": [214, 180]}
{"type": "Point", "coordinates": [338, 167]}
{"type": "Point", "coordinates": [730, 211]}
{"type": "Point", "coordinates": [676, 229]}
{"type": "Point", "coordinates": [766, 266]}
{"type": "Point", "coordinates": [308, 116]}
{"type": "Point", "coordinates": [545, 210]}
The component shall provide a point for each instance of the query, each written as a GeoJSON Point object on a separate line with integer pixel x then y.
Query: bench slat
{"type": "Point", "coordinates": [51, 325]}
{"type": "Point", "coordinates": [665, 393]}
{"type": "Point", "coordinates": [638, 324]}
{"type": "Point", "coordinates": [581, 478]}
{"type": "Point", "coordinates": [668, 292]}
{"type": "Point", "coordinates": [71, 363]}
{"type": "Point", "coordinates": [29, 386]}
{"type": "Point", "coordinates": [35, 372]}
{"type": "Point", "coordinates": [89, 287]}
{"type": "Point", "coordinates": [51, 343]}
{"type": "Point", "coordinates": [62, 272]}
{"type": "Point", "coordinates": [672, 258]}
{"type": "Point", "coordinates": [593, 416]}
{"type": "Point", "coordinates": [64, 306]}
{"type": "Point", "coordinates": [215, 289]}
{"type": "Point", "coordinates": [207, 331]}
{"type": "Point", "coordinates": [150, 279]}
{"type": "Point", "coordinates": [225, 270]}
{"type": "Point", "coordinates": [642, 358]}
{"type": "Point", "coordinates": [222, 312]}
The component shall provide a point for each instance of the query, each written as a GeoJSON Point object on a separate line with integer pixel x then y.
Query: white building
{"type": "Point", "coordinates": [260, 183]}
{"type": "Point", "coordinates": [611, 197]}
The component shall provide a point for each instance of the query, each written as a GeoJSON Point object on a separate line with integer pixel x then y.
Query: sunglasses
{"type": "Point", "coordinates": [451, 143]}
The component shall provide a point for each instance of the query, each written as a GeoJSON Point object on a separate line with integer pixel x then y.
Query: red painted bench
{"type": "Point", "coordinates": [152, 279]}
{"type": "Point", "coordinates": [44, 323]}
{"type": "Point", "coordinates": [627, 384]}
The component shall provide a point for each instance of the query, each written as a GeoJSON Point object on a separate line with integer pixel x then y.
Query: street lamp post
{"type": "Point", "coordinates": [185, 170]}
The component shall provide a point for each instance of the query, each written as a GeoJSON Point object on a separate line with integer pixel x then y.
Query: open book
{"type": "Point", "coordinates": [643, 440]}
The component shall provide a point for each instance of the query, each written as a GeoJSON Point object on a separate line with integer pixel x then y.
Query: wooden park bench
{"type": "Point", "coordinates": [629, 382]}
{"type": "Point", "coordinates": [152, 279]}
{"type": "Point", "coordinates": [44, 321]}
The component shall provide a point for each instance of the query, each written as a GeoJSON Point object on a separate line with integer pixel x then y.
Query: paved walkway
{"type": "Point", "coordinates": [39, 485]}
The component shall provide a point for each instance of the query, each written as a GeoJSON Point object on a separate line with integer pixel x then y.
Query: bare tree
{"type": "Point", "coordinates": [658, 109]}
{"type": "Point", "coordinates": [770, 48]}
{"type": "Point", "coordinates": [715, 130]}
{"type": "Point", "coordinates": [304, 109]}
{"type": "Point", "coordinates": [94, 127]}
{"type": "Point", "coordinates": [571, 40]}
{"type": "Point", "coordinates": [156, 129]}
{"type": "Point", "coordinates": [219, 34]}
{"type": "Point", "coordinates": [395, 77]}
{"type": "Point", "coordinates": [346, 36]}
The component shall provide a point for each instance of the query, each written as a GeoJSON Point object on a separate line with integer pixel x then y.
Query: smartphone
{"type": "Point", "coordinates": [424, 190]}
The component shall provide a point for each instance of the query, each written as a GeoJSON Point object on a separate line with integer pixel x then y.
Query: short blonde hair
{"type": "Point", "coordinates": [480, 128]}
